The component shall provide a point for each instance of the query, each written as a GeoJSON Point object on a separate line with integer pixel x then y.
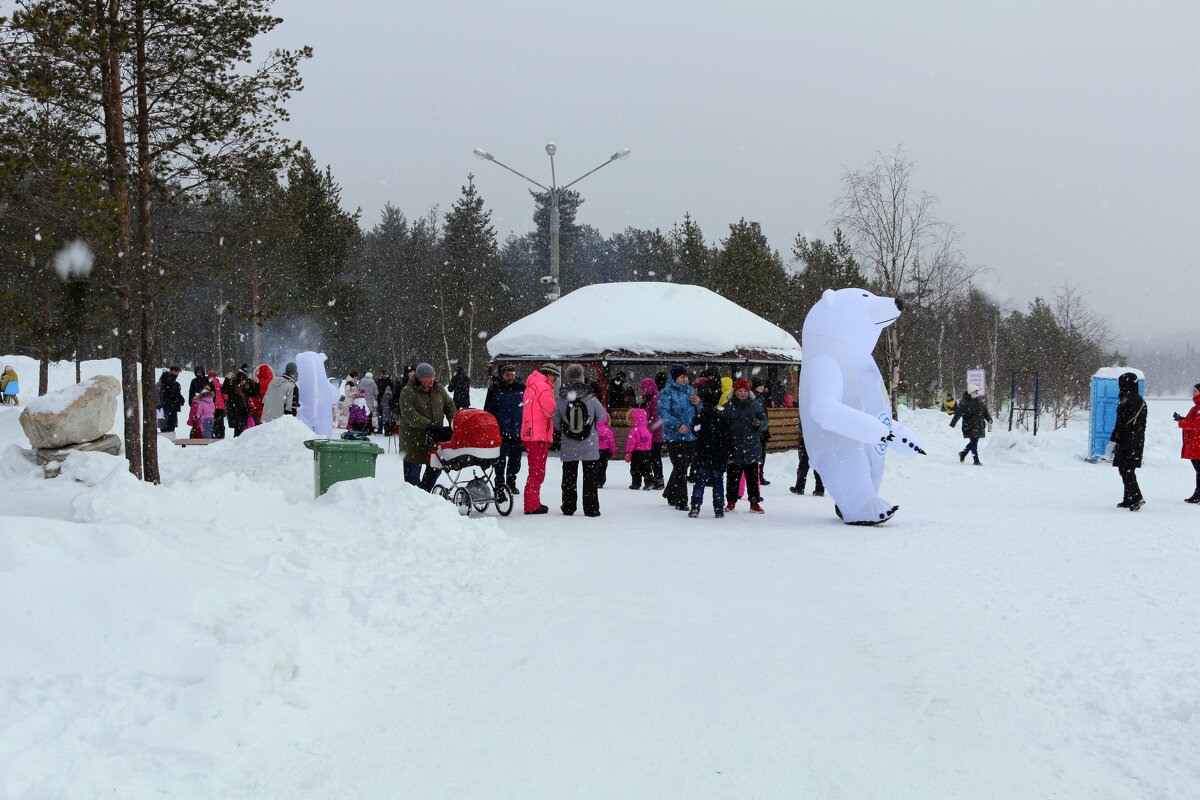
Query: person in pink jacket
{"type": "Point", "coordinates": [537, 431]}
{"type": "Point", "coordinates": [638, 444]}
{"type": "Point", "coordinates": [650, 391]}
{"type": "Point", "coordinates": [608, 443]}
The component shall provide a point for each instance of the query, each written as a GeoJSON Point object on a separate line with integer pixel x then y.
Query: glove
{"type": "Point", "coordinates": [1177, 416]}
{"type": "Point", "coordinates": [438, 433]}
{"type": "Point", "coordinates": [1110, 450]}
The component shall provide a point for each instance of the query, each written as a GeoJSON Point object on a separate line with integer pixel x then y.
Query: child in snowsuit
{"type": "Point", "coordinates": [638, 445]}
{"type": "Point", "coordinates": [608, 443]}
{"type": "Point", "coordinates": [650, 390]}
{"type": "Point", "coordinates": [359, 418]}
{"type": "Point", "coordinates": [201, 414]}
{"type": "Point", "coordinates": [712, 450]}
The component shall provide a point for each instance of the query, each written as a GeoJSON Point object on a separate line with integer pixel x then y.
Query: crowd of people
{"type": "Point", "coordinates": [713, 430]}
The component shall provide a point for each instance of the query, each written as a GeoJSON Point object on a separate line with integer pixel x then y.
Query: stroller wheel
{"type": "Point", "coordinates": [504, 501]}
{"type": "Point", "coordinates": [442, 492]}
{"type": "Point", "coordinates": [463, 500]}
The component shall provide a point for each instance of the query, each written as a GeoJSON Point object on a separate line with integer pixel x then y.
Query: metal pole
{"type": "Point", "coordinates": [1012, 401]}
{"type": "Point", "coordinates": [555, 288]}
{"type": "Point", "coordinates": [1037, 406]}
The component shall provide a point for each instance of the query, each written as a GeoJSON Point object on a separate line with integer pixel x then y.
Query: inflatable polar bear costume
{"type": "Point", "coordinates": [848, 425]}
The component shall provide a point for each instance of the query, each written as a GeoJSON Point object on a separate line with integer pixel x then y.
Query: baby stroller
{"type": "Point", "coordinates": [475, 443]}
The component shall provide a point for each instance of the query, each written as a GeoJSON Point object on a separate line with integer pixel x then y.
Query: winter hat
{"type": "Point", "coordinates": [290, 369]}
{"type": "Point", "coordinates": [741, 383]}
{"type": "Point", "coordinates": [549, 369]}
{"type": "Point", "coordinates": [369, 375]}
{"type": "Point", "coordinates": [507, 368]}
{"type": "Point", "coordinates": [424, 370]}
{"type": "Point", "coordinates": [677, 370]}
{"type": "Point", "coordinates": [574, 373]}
{"type": "Point", "coordinates": [409, 368]}
{"type": "Point", "coordinates": [972, 389]}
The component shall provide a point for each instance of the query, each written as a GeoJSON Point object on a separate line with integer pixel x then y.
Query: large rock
{"type": "Point", "coordinates": [75, 415]}
{"type": "Point", "coordinates": [109, 443]}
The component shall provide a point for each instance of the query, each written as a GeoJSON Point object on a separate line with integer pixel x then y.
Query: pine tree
{"type": "Point", "coordinates": [693, 258]}
{"type": "Point", "coordinates": [748, 272]}
{"type": "Point", "coordinates": [469, 279]}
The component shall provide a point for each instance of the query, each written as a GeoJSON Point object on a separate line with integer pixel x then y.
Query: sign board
{"type": "Point", "coordinates": [976, 376]}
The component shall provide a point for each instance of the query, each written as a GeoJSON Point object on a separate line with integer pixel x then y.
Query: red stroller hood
{"type": "Point", "coordinates": [474, 428]}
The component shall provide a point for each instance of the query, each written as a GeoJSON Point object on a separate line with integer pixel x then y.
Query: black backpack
{"type": "Point", "coordinates": [577, 422]}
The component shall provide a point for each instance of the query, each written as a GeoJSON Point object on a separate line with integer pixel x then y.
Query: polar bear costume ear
{"type": "Point", "coordinates": [829, 298]}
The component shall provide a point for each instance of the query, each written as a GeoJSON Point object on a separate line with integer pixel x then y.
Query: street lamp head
{"type": "Point", "coordinates": [620, 154]}
{"type": "Point", "coordinates": [551, 149]}
{"type": "Point", "coordinates": [483, 154]}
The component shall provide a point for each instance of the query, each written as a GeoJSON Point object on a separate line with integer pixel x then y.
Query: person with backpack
{"type": "Point", "coordinates": [577, 415]}
{"type": "Point", "coordinates": [678, 405]}
{"type": "Point", "coordinates": [747, 421]}
{"type": "Point", "coordinates": [537, 431]}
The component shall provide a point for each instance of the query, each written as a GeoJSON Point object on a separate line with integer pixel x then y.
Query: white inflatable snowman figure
{"type": "Point", "coordinates": [848, 424]}
{"type": "Point", "coordinates": [317, 395]}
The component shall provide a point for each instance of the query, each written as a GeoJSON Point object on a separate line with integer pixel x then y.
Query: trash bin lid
{"type": "Point", "coordinates": [342, 446]}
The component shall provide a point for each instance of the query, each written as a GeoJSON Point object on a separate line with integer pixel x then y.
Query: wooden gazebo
{"type": "Point", "coordinates": [643, 328]}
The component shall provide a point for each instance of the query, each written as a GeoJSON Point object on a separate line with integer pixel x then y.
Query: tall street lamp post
{"type": "Point", "coordinates": [554, 191]}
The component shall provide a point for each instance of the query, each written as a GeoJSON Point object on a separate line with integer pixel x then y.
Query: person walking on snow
{"type": "Point", "coordinates": [170, 399]}
{"type": "Point", "coordinates": [503, 401]}
{"type": "Point", "coordinates": [1190, 425]}
{"type": "Point", "coordinates": [803, 466]}
{"type": "Point", "coordinates": [678, 405]}
{"type": "Point", "coordinates": [370, 391]}
{"type": "Point", "coordinates": [537, 431]}
{"type": "Point", "coordinates": [973, 411]}
{"type": "Point", "coordinates": [650, 391]}
{"type": "Point", "coordinates": [638, 443]}
{"type": "Point", "coordinates": [1129, 439]}
{"type": "Point", "coordinates": [460, 387]}
{"type": "Point", "coordinates": [577, 415]}
{"type": "Point", "coordinates": [747, 420]}
{"type": "Point", "coordinates": [423, 406]}
{"type": "Point", "coordinates": [712, 450]}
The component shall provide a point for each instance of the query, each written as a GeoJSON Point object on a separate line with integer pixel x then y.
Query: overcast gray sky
{"type": "Point", "coordinates": [1060, 138]}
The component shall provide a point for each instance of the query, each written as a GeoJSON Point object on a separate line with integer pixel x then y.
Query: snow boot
{"type": "Point", "coordinates": [962, 456]}
{"type": "Point", "coordinates": [694, 512]}
{"type": "Point", "coordinates": [977, 463]}
{"type": "Point", "coordinates": [649, 488]}
{"type": "Point", "coordinates": [818, 493]}
{"type": "Point", "coordinates": [1123, 504]}
{"type": "Point", "coordinates": [1195, 498]}
{"type": "Point", "coordinates": [731, 505]}
{"type": "Point", "coordinates": [764, 482]}
{"type": "Point", "coordinates": [1136, 505]}
{"type": "Point", "coordinates": [718, 512]}
{"type": "Point", "coordinates": [796, 489]}
{"type": "Point", "coordinates": [756, 508]}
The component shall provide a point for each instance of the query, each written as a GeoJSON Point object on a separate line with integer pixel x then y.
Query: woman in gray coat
{"type": "Point", "coordinates": [576, 413]}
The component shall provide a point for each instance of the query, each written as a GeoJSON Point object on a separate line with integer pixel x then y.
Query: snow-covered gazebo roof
{"type": "Point", "coordinates": [624, 321]}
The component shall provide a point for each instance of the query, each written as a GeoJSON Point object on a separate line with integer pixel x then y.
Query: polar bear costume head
{"type": "Point", "coordinates": [853, 318]}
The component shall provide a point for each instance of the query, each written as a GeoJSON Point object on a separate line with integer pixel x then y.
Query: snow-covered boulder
{"type": "Point", "coordinates": [80, 413]}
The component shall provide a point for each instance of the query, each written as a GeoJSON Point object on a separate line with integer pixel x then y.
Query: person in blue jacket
{"type": "Point", "coordinates": [678, 405]}
{"type": "Point", "coordinates": [503, 401]}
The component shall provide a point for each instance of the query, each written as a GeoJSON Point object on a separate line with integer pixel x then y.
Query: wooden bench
{"type": "Point", "coordinates": [194, 442]}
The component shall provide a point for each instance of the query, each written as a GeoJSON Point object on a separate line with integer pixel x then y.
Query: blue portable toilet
{"type": "Point", "coordinates": [1104, 406]}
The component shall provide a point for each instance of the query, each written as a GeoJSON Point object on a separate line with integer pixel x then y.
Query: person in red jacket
{"type": "Point", "coordinates": [1190, 425]}
{"type": "Point", "coordinates": [537, 431]}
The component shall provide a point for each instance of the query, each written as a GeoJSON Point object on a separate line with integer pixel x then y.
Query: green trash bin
{"type": "Point", "coordinates": [341, 460]}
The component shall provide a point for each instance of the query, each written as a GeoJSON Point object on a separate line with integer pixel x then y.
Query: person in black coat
{"type": "Point", "coordinates": [238, 388]}
{"type": "Point", "coordinates": [170, 399]}
{"type": "Point", "coordinates": [460, 388]}
{"type": "Point", "coordinates": [504, 401]}
{"type": "Point", "coordinates": [712, 449]}
{"type": "Point", "coordinates": [1129, 439]}
{"type": "Point", "coordinates": [973, 411]}
{"type": "Point", "coordinates": [198, 384]}
{"type": "Point", "coordinates": [802, 469]}
{"type": "Point", "coordinates": [747, 422]}
{"type": "Point", "coordinates": [383, 383]}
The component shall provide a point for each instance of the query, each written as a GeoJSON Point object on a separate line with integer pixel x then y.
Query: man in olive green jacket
{"type": "Point", "coordinates": [423, 404]}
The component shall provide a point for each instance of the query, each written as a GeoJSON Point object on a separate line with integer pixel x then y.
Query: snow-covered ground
{"type": "Point", "coordinates": [1010, 634]}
